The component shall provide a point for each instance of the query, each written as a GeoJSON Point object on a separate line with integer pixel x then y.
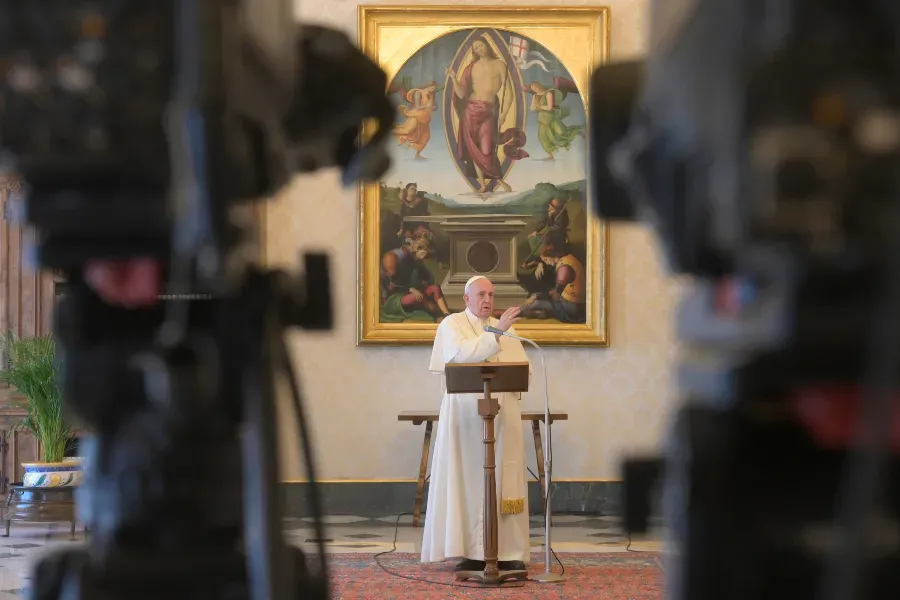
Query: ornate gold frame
{"type": "Point", "coordinates": [389, 35]}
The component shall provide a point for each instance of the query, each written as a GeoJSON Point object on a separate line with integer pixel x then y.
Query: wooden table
{"type": "Point", "coordinates": [429, 417]}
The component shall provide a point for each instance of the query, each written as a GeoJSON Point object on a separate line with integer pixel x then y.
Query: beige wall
{"type": "Point", "coordinates": [617, 397]}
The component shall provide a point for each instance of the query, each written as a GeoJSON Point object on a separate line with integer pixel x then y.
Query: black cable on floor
{"type": "Point", "coordinates": [561, 566]}
{"type": "Point", "coordinates": [628, 547]}
{"type": "Point", "coordinates": [473, 586]}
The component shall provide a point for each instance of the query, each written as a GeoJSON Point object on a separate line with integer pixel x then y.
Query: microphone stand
{"type": "Point", "coordinates": [547, 576]}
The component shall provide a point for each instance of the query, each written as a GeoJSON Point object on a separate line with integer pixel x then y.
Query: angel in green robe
{"type": "Point", "coordinates": [552, 132]}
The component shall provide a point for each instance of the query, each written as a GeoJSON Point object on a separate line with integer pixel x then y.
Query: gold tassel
{"type": "Point", "coordinates": [512, 507]}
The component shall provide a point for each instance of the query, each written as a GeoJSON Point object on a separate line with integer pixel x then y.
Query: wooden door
{"type": "Point", "coordinates": [26, 294]}
{"type": "Point", "coordinates": [26, 308]}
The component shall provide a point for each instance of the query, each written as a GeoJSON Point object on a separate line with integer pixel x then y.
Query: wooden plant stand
{"type": "Point", "coordinates": [40, 505]}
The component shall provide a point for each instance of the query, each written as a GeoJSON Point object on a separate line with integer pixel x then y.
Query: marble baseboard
{"type": "Point", "coordinates": [379, 499]}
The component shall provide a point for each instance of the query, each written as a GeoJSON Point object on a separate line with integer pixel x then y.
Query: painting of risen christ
{"type": "Point", "coordinates": [488, 177]}
{"type": "Point", "coordinates": [484, 113]}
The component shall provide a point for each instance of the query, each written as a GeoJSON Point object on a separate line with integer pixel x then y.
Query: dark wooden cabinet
{"type": "Point", "coordinates": [16, 447]}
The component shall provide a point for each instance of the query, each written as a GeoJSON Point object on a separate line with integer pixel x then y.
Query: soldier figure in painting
{"type": "Point", "coordinates": [482, 101]}
{"type": "Point", "coordinates": [412, 204]}
{"type": "Point", "coordinates": [566, 300]}
{"type": "Point", "coordinates": [408, 289]}
{"type": "Point", "coordinates": [556, 219]}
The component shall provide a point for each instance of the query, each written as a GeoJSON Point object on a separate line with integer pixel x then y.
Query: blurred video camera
{"type": "Point", "coordinates": [146, 132]}
{"type": "Point", "coordinates": [762, 139]}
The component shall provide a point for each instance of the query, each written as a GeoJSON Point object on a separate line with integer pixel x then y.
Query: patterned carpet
{"type": "Point", "coordinates": [595, 576]}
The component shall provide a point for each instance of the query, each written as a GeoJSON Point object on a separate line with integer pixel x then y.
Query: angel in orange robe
{"type": "Point", "coordinates": [416, 131]}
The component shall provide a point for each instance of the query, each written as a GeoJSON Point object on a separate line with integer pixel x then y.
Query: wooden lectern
{"type": "Point", "coordinates": [471, 378]}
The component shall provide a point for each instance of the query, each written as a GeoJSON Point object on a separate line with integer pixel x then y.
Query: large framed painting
{"type": "Point", "coordinates": [489, 173]}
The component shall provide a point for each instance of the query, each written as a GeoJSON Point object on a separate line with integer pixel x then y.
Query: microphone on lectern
{"type": "Point", "coordinates": [490, 329]}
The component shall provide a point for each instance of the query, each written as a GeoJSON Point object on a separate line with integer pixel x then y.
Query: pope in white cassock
{"type": "Point", "coordinates": [454, 518]}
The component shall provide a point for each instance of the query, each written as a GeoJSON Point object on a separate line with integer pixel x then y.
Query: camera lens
{"type": "Point", "coordinates": [797, 179]}
{"type": "Point", "coordinates": [614, 92]}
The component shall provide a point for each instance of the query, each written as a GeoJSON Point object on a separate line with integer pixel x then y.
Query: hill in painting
{"type": "Point", "coordinates": [533, 203]}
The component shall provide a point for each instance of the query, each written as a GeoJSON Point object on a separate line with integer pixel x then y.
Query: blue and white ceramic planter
{"type": "Point", "coordinates": [61, 474]}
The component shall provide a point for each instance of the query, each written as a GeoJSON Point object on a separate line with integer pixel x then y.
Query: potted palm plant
{"type": "Point", "coordinates": [32, 368]}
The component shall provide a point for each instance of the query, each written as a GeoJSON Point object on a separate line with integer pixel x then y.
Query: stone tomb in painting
{"type": "Point", "coordinates": [483, 245]}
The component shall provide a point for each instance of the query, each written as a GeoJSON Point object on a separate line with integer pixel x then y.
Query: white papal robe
{"type": "Point", "coordinates": [454, 517]}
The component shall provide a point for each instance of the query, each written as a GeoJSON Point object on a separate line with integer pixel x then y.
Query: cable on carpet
{"type": "Point", "coordinates": [561, 566]}
{"type": "Point", "coordinates": [518, 584]}
{"type": "Point", "coordinates": [471, 586]}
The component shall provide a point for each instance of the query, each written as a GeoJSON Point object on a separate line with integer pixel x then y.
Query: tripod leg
{"type": "Point", "coordinates": [53, 569]}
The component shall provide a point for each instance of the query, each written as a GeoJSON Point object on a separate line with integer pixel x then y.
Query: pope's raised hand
{"type": "Point", "coordinates": [509, 318]}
